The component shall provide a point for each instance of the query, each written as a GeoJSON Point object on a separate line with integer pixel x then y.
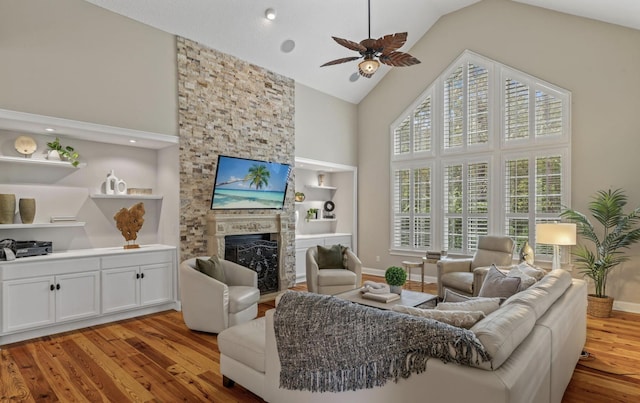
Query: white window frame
{"type": "Point", "coordinates": [496, 151]}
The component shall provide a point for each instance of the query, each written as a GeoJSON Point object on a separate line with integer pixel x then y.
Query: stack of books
{"type": "Point", "coordinates": [433, 255]}
{"type": "Point", "coordinates": [386, 297]}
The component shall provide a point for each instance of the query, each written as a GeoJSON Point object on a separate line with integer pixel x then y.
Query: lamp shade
{"type": "Point", "coordinates": [556, 234]}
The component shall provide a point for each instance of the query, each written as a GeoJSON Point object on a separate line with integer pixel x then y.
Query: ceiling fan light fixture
{"type": "Point", "coordinates": [369, 66]}
{"type": "Point", "coordinates": [270, 14]}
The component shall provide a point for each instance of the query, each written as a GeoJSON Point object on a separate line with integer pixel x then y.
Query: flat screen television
{"type": "Point", "coordinates": [242, 183]}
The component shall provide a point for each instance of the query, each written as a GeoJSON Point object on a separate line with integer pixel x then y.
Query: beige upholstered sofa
{"type": "Point", "coordinates": [535, 339]}
{"type": "Point", "coordinates": [332, 281]}
{"type": "Point", "coordinates": [209, 305]}
{"type": "Point", "coordinates": [465, 276]}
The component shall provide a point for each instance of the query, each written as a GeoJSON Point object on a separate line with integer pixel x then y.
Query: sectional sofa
{"type": "Point", "coordinates": [534, 339]}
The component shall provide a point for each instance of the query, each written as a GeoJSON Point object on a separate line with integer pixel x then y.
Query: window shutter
{"type": "Point", "coordinates": [549, 115]}
{"type": "Point", "coordinates": [402, 138]}
{"type": "Point", "coordinates": [549, 185]}
{"type": "Point", "coordinates": [453, 109]}
{"type": "Point", "coordinates": [422, 126]}
{"type": "Point", "coordinates": [516, 99]}
{"type": "Point", "coordinates": [402, 200]}
{"type": "Point", "coordinates": [478, 105]}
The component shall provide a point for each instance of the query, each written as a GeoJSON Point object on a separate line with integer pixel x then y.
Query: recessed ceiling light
{"type": "Point", "coordinates": [270, 14]}
{"type": "Point", "coordinates": [49, 129]}
{"type": "Point", "coordinates": [287, 46]}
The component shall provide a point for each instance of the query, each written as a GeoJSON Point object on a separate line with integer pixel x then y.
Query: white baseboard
{"type": "Point", "coordinates": [414, 276]}
{"type": "Point", "coordinates": [631, 307]}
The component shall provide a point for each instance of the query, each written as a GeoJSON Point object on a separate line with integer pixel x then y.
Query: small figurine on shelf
{"type": "Point", "coordinates": [129, 222]}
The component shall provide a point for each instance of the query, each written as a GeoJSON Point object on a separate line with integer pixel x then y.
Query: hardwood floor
{"type": "Point", "coordinates": [157, 359]}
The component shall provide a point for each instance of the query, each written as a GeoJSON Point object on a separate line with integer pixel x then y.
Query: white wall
{"type": "Point", "coordinates": [71, 59]}
{"type": "Point", "coordinates": [596, 61]}
{"type": "Point", "coordinates": [326, 127]}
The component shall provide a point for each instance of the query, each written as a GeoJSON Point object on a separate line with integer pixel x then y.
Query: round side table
{"type": "Point", "coordinates": [408, 265]}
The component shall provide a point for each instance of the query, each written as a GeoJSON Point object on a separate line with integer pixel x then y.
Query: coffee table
{"type": "Point", "coordinates": [407, 298]}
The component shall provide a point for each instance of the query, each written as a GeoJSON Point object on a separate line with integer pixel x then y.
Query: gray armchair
{"type": "Point", "coordinates": [465, 276]}
{"type": "Point", "coordinates": [209, 305]}
{"type": "Point", "coordinates": [332, 281]}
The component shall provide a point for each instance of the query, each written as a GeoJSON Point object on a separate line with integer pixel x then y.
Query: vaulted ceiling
{"type": "Point", "coordinates": [239, 28]}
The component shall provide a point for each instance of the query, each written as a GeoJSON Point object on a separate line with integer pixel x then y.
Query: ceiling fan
{"type": "Point", "coordinates": [376, 51]}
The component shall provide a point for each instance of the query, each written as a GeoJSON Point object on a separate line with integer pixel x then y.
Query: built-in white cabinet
{"type": "Point", "coordinates": [131, 283]}
{"type": "Point", "coordinates": [304, 242]}
{"type": "Point", "coordinates": [69, 290]}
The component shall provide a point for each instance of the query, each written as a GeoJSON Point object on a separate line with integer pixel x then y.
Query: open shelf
{"type": "Point", "coordinates": [321, 187]}
{"type": "Point", "coordinates": [43, 225]}
{"type": "Point", "coordinates": [40, 161]}
{"type": "Point", "coordinates": [126, 196]}
{"type": "Point", "coordinates": [323, 220]}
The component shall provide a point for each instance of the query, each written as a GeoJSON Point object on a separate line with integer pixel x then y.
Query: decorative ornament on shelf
{"type": "Point", "coordinates": [57, 152]}
{"type": "Point", "coordinates": [7, 208]}
{"type": "Point", "coordinates": [25, 145]}
{"type": "Point", "coordinates": [396, 277]}
{"type": "Point", "coordinates": [27, 210]}
{"type": "Point", "coordinates": [300, 197]}
{"type": "Point", "coordinates": [526, 253]}
{"type": "Point", "coordinates": [129, 222]}
{"type": "Point", "coordinates": [114, 186]}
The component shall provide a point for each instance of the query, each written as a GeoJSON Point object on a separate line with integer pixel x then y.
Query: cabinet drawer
{"type": "Point", "coordinates": [135, 259]}
{"type": "Point", "coordinates": [18, 269]}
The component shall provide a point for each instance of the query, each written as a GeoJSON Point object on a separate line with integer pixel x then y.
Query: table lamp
{"type": "Point", "coordinates": [556, 234]}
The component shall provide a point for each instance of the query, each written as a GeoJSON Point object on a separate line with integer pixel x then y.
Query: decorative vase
{"type": "Point", "coordinates": [27, 210]}
{"type": "Point", "coordinates": [396, 289]}
{"type": "Point", "coordinates": [111, 184]}
{"type": "Point", "coordinates": [599, 307]}
{"type": "Point", "coordinates": [321, 180]}
{"type": "Point", "coordinates": [53, 155]}
{"type": "Point", "coordinates": [526, 253]}
{"type": "Point", "coordinates": [7, 208]}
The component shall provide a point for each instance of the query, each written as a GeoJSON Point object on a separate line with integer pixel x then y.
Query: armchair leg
{"type": "Point", "coordinates": [227, 382]}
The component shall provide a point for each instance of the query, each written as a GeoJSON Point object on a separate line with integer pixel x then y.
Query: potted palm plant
{"type": "Point", "coordinates": [395, 277]}
{"type": "Point", "coordinates": [618, 232]}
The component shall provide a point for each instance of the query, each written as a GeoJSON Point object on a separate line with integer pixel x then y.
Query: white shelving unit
{"type": "Point", "coordinates": [321, 187]}
{"type": "Point", "coordinates": [40, 161]}
{"type": "Point", "coordinates": [68, 224]}
{"type": "Point", "coordinates": [126, 196]}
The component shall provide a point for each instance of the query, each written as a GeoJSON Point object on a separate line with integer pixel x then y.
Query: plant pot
{"type": "Point", "coordinates": [53, 155]}
{"type": "Point", "coordinates": [599, 307]}
{"type": "Point", "coordinates": [396, 289]}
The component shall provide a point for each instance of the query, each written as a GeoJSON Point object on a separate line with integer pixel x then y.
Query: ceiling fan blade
{"type": "Point", "coordinates": [350, 44]}
{"type": "Point", "coordinates": [398, 59]}
{"type": "Point", "coordinates": [389, 43]}
{"type": "Point", "coordinates": [363, 74]}
{"type": "Point", "coordinates": [343, 60]}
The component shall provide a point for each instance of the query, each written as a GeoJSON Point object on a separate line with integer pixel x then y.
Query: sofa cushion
{"type": "Point", "coordinates": [336, 277]}
{"type": "Point", "coordinates": [331, 257]}
{"type": "Point", "coordinates": [452, 296]}
{"type": "Point", "coordinates": [245, 343]}
{"type": "Point", "coordinates": [502, 331]}
{"type": "Point", "coordinates": [497, 284]}
{"type": "Point", "coordinates": [526, 280]}
{"type": "Point", "coordinates": [242, 297]}
{"type": "Point", "coordinates": [532, 271]}
{"type": "Point", "coordinates": [212, 268]}
{"type": "Point", "coordinates": [485, 305]}
{"type": "Point", "coordinates": [464, 319]}
{"type": "Point", "coordinates": [459, 280]}
{"type": "Point", "coordinates": [540, 296]}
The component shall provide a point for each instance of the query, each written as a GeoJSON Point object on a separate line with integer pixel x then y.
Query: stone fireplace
{"type": "Point", "coordinates": [272, 227]}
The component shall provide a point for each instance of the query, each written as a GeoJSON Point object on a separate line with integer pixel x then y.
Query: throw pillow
{"type": "Point", "coordinates": [464, 319]}
{"type": "Point", "coordinates": [330, 258]}
{"type": "Point", "coordinates": [526, 281]}
{"type": "Point", "coordinates": [497, 284]}
{"type": "Point", "coordinates": [212, 268]}
{"type": "Point", "coordinates": [532, 271]}
{"type": "Point", "coordinates": [452, 296]}
{"type": "Point", "coordinates": [485, 305]}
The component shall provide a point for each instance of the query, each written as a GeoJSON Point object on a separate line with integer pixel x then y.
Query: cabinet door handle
{"type": "Point", "coordinates": [137, 276]}
{"type": "Point", "coordinates": [52, 287]}
{"type": "Point", "coordinates": [142, 275]}
{"type": "Point", "coordinates": [57, 286]}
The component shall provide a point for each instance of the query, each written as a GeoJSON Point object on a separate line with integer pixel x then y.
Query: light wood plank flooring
{"type": "Point", "coordinates": [157, 359]}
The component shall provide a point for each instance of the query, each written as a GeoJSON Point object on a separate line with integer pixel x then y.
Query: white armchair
{"type": "Point", "coordinates": [465, 276]}
{"type": "Point", "coordinates": [209, 305]}
{"type": "Point", "coordinates": [332, 281]}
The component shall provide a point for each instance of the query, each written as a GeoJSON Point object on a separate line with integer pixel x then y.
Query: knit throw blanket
{"type": "Point", "coordinates": [327, 344]}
